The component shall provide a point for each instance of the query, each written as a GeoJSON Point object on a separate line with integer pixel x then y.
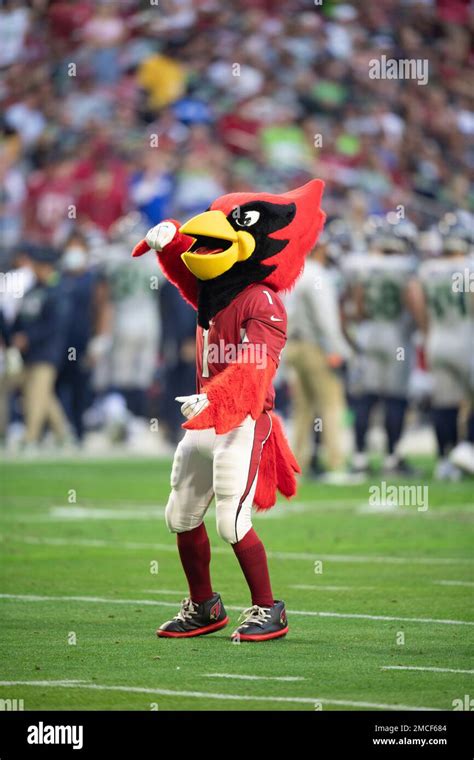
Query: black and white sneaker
{"type": "Point", "coordinates": [195, 619]}
{"type": "Point", "coordinates": [262, 623]}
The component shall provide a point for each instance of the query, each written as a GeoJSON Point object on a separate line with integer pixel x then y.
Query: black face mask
{"type": "Point", "coordinates": [216, 294]}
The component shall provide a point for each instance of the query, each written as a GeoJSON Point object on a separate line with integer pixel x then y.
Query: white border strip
{"type": "Point", "coordinates": [213, 695]}
{"type": "Point", "coordinates": [239, 677]}
{"type": "Point", "coordinates": [469, 584]}
{"type": "Point", "coordinates": [158, 603]}
{"type": "Point", "coordinates": [321, 587]}
{"type": "Point", "coordinates": [427, 669]}
{"type": "Point", "coordinates": [297, 556]}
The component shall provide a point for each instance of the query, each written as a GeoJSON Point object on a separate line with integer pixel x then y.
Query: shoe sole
{"type": "Point", "coordinates": [257, 637]}
{"type": "Point", "coordinates": [198, 632]}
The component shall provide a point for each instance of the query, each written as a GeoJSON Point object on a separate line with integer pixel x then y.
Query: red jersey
{"type": "Point", "coordinates": [49, 199]}
{"type": "Point", "coordinates": [251, 328]}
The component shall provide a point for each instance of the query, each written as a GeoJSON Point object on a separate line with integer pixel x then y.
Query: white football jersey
{"type": "Point", "coordinates": [385, 334]}
{"type": "Point", "coordinates": [448, 283]}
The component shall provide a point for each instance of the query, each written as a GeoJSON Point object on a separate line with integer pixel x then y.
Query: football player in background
{"type": "Point", "coordinates": [443, 301]}
{"type": "Point", "coordinates": [11, 363]}
{"type": "Point", "coordinates": [126, 369]}
{"type": "Point", "coordinates": [38, 333]}
{"type": "Point", "coordinates": [317, 351]}
{"type": "Point", "coordinates": [379, 372]}
{"type": "Point", "coordinates": [87, 331]}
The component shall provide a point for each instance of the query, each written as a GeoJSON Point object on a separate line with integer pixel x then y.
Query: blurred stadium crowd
{"type": "Point", "coordinates": [116, 115]}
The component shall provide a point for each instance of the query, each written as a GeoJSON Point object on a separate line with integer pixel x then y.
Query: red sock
{"type": "Point", "coordinates": [253, 560]}
{"type": "Point", "coordinates": [195, 553]}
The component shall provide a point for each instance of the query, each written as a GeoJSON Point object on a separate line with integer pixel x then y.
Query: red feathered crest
{"type": "Point", "coordinates": [302, 222]}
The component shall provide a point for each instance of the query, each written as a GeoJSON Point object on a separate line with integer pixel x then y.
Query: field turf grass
{"type": "Point", "coordinates": [83, 571]}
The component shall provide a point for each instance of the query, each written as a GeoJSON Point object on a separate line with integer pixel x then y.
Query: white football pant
{"type": "Point", "coordinates": [225, 466]}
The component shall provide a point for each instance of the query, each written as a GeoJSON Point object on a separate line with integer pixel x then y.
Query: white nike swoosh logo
{"type": "Point", "coordinates": [275, 319]}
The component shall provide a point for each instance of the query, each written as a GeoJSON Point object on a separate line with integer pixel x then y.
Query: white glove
{"type": "Point", "coordinates": [193, 405]}
{"type": "Point", "coordinates": [160, 235]}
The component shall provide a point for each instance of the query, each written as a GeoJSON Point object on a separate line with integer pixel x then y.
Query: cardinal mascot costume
{"type": "Point", "coordinates": [230, 263]}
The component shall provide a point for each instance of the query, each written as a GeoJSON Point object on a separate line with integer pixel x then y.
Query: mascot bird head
{"type": "Point", "coordinates": [254, 237]}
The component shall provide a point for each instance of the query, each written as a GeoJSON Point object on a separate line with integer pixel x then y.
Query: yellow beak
{"type": "Point", "coordinates": [238, 245]}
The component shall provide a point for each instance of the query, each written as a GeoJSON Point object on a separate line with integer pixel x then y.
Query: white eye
{"type": "Point", "coordinates": [247, 219]}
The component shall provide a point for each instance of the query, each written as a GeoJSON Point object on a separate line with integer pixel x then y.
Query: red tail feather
{"type": "Point", "coordinates": [277, 468]}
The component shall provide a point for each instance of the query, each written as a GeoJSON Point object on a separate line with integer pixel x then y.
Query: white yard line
{"type": "Point", "coordinates": [470, 584]}
{"type": "Point", "coordinates": [321, 587]}
{"type": "Point", "coordinates": [126, 511]}
{"type": "Point", "coordinates": [366, 558]}
{"type": "Point", "coordinates": [395, 510]}
{"type": "Point", "coordinates": [253, 678]}
{"type": "Point", "coordinates": [383, 509]}
{"type": "Point", "coordinates": [213, 695]}
{"type": "Point", "coordinates": [297, 556]}
{"type": "Point", "coordinates": [91, 542]}
{"type": "Point", "coordinates": [171, 592]}
{"type": "Point", "coordinates": [159, 603]}
{"type": "Point", "coordinates": [86, 599]}
{"type": "Point", "coordinates": [427, 669]}
{"type": "Point", "coordinates": [72, 512]}
{"type": "Point", "coordinates": [388, 618]}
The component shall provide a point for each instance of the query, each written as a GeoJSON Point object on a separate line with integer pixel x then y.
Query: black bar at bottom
{"type": "Point", "coordinates": [144, 734]}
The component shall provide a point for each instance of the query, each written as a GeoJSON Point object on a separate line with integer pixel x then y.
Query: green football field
{"type": "Point", "coordinates": [379, 601]}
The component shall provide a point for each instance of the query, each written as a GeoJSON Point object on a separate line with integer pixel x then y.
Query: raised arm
{"type": "Point", "coordinates": [169, 244]}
